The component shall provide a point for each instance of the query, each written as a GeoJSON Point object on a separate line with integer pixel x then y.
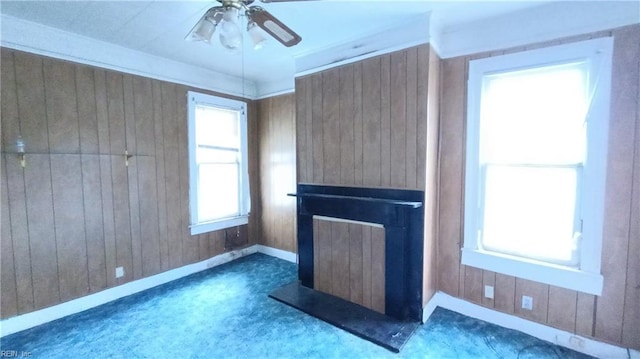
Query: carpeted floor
{"type": "Point", "coordinates": [224, 312]}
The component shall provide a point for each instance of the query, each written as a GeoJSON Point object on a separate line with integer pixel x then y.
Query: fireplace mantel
{"type": "Point", "coordinates": [400, 212]}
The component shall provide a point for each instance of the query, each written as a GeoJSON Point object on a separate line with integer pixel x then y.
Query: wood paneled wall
{"type": "Point", "coordinates": [277, 141]}
{"type": "Point", "coordinates": [374, 123]}
{"type": "Point", "coordinates": [365, 123]}
{"type": "Point", "coordinates": [76, 211]}
{"type": "Point", "coordinates": [349, 262]}
{"type": "Point", "coordinates": [612, 317]}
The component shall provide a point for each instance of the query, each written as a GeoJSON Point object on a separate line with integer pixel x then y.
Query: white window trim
{"type": "Point", "coordinates": [587, 278]}
{"type": "Point", "coordinates": [194, 98]}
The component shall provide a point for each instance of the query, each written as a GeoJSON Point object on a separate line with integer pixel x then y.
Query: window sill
{"type": "Point", "coordinates": [560, 276]}
{"type": "Point", "coordinates": [217, 225]}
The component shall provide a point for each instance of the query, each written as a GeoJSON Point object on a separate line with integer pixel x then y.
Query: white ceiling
{"type": "Point", "coordinates": [159, 27]}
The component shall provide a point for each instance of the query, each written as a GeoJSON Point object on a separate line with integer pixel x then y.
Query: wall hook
{"type": "Point", "coordinates": [126, 158]}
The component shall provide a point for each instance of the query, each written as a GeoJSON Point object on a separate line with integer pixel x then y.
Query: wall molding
{"type": "Point", "coordinates": [560, 337]}
{"type": "Point", "coordinates": [278, 253]}
{"type": "Point", "coordinates": [42, 316]}
{"type": "Point", "coordinates": [535, 24]}
{"type": "Point", "coordinates": [43, 40]}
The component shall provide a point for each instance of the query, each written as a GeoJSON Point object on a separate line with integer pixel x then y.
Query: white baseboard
{"type": "Point", "coordinates": [278, 253]}
{"type": "Point", "coordinates": [38, 317]}
{"type": "Point", "coordinates": [560, 337]}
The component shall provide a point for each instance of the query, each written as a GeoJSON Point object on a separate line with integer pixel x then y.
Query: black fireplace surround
{"type": "Point", "coordinates": [401, 212]}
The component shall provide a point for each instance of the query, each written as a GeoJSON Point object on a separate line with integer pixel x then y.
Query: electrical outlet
{"type": "Point", "coordinates": [488, 291]}
{"type": "Point", "coordinates": [527, 302]}
{"type": "Point", "coordinates": [119, 272]}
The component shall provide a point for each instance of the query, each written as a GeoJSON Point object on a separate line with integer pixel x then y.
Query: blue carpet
{"type": "Point", "coordinates": [224, 312]}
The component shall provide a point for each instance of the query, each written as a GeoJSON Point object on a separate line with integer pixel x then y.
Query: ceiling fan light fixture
{"type": "Point", "coordinates": [256, 35]}
{"type": "Point", "coordinates": [230, 34]}
{"type": "Point", "coordinates": [203, 31]}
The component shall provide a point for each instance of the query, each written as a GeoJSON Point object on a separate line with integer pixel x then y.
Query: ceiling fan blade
{"type": "Point", "coordinates": [273, 26]}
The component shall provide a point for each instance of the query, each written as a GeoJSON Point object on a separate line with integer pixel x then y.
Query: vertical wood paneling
{"type": "Point", "coordinates": [42, 238]}
{"type": "Point", "coordinates": [278, 169]}
{"type": "Point", "coordinates": [108, 218]}
{"type": "Point", "coordinates": [631, 324]}
{"type": "Point", "coordinates": [102, 112]}
{"type": "Point", "coordinates": [303, 150]}
{"type": "Point", "coordinates": [331, 125]}
{"type": "Point", "coordinates": [322, 273]}
{"type": "Point", "coordinates": [504, 293]}
{"type": "Point", "coordinates": [9, 298]}
{"type": "Point", "coordinates": [377, 269]}
{"type": "Point", "coordinates": [371, 122]}
{"type": "Point", "coordinates": [31, 102]}
{"type": "Point", "coordinates": [20, 233]}
{"type": "Point", "coordinates": [62, 115]}
{"type": "Point", "coordinates": [618, 201]}
{"type": "Point", "coordinates": [132, 175]}
{"type": "Point", "coordinates": [160, 176]}
{"type": "Point", "coordinates": [317, 128]}
{"type": "Point", "coordinates": [347, 150]}
{"type": "Point", "coordinates": [367, 288]}
{"type": "Point", "coordinates": [71, 216]}
{"type": "Point", "coordinates": [358, 123]}
{"type": "Point", "coordinates": [87, 120]}
{"type": "Point", "coordinates": [122, 219]}
{"type": "Point", "coordinates": [365, 124]}
{"type": "Point", "coordinates": [190, 247]}
{"type": "Point", "coordinates": [385, 120]}
{"type": "Point", "coordinates": [451, 174]}
{"type": "Point", "coordinates": [472, 284]}
{"type": "Point", "coordinates": [428, 107]}
{"type": "Point", "coordinates": [9, 102]}
{"type": "Point", "coordinates": [399, 132]}
{"type": "Point", "coordinates": [171, 172]}
{"type": "Point", "coordinates": [355, 264]}
{"type": "Point", "coordinates": [539, 292]}
{"type": "Point", "coordinates": [340, 263]}
{"type": "Point", "coordinates": [70, 236]}
{"type": "Point", "coordinates": [562, 306]}
{"type": "Point", "coordinates": [411, 144]}
{"type": "Point", "coordinates": [585, 321]}
{"type": "Point", "coordinates": [614, 315]}
{"type": "Point", "coordinates": [149, 220]}
{"type": "Point", "coordinates": [488, 279]}
{"type": "Point", "coordinates": [93, 222]}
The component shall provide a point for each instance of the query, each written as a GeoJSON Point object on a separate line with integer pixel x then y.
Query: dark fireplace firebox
{"type": "Point", "coordinates": [401, 212]}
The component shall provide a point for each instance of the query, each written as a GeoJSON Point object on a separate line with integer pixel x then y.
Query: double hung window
{"type": "Point", "coordinates": [536, 159]}
{"type": "Point", "coordinates": [218, 191]}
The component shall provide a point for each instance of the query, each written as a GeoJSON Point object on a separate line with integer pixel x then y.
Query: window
{"type": "Point", "coordinates": [218, 175]}
{"type": "Point", "coordinates": [537, 126]}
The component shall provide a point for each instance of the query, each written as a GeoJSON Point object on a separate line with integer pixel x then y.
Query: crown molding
{"type": "Point", "coordinates": [47, 41]}
{"type": "Point", "coordinates": [536, 24]}
{"type": "Point", "coordinates": [409, 34]}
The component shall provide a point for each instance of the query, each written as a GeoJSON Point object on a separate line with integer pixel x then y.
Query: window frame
{"type": "Point", "coordinates": [244, 203]}
{"type": "Point", "coordinates": [591, 188]}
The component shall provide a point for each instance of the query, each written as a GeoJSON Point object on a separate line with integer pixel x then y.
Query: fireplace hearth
{"type": "Point", "coordinates": [401, 213]}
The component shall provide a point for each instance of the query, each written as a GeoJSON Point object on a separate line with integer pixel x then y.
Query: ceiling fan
{"type": "Point", "coordinates": [226, 16]}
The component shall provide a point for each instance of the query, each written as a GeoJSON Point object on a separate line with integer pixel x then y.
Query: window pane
{"type": "Point", "coordinates": [534, 116]}
{"type": "Point", "coordinates": [217, 127]}
{"type": "Point", "coordinates": [529, 211]}
{"type": "Point", "coordinates": [209, 155]}
{"type": "Point", "coordinates": [218, 186]}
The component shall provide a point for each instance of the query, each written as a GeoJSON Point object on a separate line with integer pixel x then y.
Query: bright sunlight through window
{"type": "Point", "coordinates": [537, 125]}
{"type": "Point", "coordinates": [218, 166]}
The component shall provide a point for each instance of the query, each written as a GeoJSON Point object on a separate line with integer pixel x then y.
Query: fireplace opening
{"type": "Point", "coordinates": [380, 230]}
